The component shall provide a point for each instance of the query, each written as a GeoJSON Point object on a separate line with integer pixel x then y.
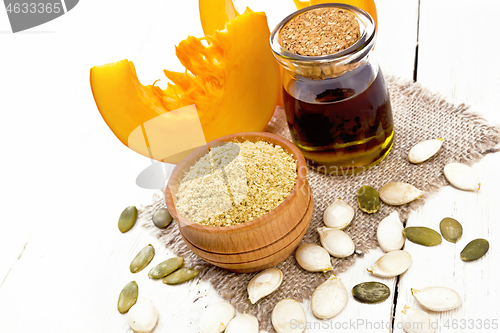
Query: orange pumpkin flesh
{"type": "Point", "coordinates": [214, 14]}
{"type": "Point", "coordinates": [238, 61]}
{"type": "Point", "coordinates": [367, 5]}
{"type": "Point", "coordinates": [122, 100]}
{"type": "Point", "coordinates": [233, 82]}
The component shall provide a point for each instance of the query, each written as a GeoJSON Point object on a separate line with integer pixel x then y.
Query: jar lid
{"type": "Point", "coordinates": [329, 65]}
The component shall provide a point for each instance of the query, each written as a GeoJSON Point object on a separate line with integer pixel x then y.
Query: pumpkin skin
{"type": "Point", "coordinates": [232, 82]}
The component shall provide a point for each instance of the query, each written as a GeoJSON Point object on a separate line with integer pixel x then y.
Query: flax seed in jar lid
{"type": "Point", "coordinates": [320, 31]}
{"type": "Point", "coordinates": [323, 41]}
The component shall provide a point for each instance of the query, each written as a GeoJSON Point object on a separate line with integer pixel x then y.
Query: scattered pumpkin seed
{"type": "Point", "coordinates": [243, 323]}
{"type": "Point", "coordinates": [143, 316]}
{"type": "Point", "coordinates": [264, 284]}
{"type": "Point", "coordinates": [475, 249]}
{"type": "Point", "coordinates": [166, 267]}
{"type": "Point", "coordinates": [424, 150]}
{"type": "Point", "coordinates": [451, 229]}
{"type": "Point", "coordinates": [391, 264]}
{"type": "Point", "coordinates": [216, 317]}
{"type": "Point", "coordinates": [181, 275]}
{"type": "Point", "coordinates": [338, 215]}
{"type": "Point", "coordinates": [142, 259]}
{"type": "Point", "coordinates": [127, 219]}
{"type": "Point", "coordinates": [390, 233]}
{"type": "Point", "coordinates": [398, 193]}
{"type": "Point", "coordinates": [371, 292]}
{"type": "Point", "coordinates": [288, 317]}
{"type": "Point", "coordinates": [437, 298]}
{"type": "Point", "coordinates": [462, 176]}
{"type": "Point", "coordinates": [336, 242]}
{"type": "Point", "coordinates": [368, 199]}
{"type": "Point", "coordinates": [329, 298]}
{"type": "Point", "coordinates": [162, 218]}
{"type": "Point", "coordinates": [313, 258]}
{"type": "Point", "coordinates": [422, 236]}
{"type": "Point", "coordinates": [128, 297]}
{"type": "Point", "coordinates": [416, 321]}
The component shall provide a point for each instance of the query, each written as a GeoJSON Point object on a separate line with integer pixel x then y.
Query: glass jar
{"type": "Point", "coordinates": [337, 106]}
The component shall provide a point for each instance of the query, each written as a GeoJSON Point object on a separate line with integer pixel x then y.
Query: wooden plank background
{"type": "Point", "coordinates": [67, 177]}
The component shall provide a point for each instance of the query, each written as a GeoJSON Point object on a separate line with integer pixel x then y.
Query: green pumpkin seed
{"type": "Point", "coordinates": [164, 268]}
{"type": "Point", "coordinates": [180, 276]}
{"type": "Point", "coordinates": [162, 218]}
{"type": "Point", "coordinates": [371, 292]}
{"type": "Point", "coordinates": [423, 236]}
{"type": "Point", "coordinates": [128, 297]}
{"type": "Point", "coordinates": [451, 229]}
{"type": "Point", "coordinates": [368, 199]}
{"type": "Point", "coordinates": [475, 249]}
{"type": "Point", "coordinates": [142, 259]}
{"type": "Point", "coordinates": [127, 219]}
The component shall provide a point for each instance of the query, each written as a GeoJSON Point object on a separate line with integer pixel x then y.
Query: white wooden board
{"type": "Point", "coordinates": [68, 177]}
{"type": "Point", "coordinates": [457, 59]}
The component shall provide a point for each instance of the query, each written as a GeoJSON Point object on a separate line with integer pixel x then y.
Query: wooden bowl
{"type": "Point", "coordinates": [260, 243]}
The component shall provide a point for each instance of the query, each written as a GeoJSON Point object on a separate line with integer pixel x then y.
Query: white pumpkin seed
{"type": "Point", "coordinates": [329, 298]}
{"type": "Point", "coordinates": [416, 321]}
{"type": "Point", "coordinates": [398, 193]}
{"type": "Point", "coordinates": [313, 258]}
{"type": "Point", "coordinates": [338, 215]}
{"type": "Point", "coordinates": [288, 317]}
{"type": "Point", "coordinates": [390, 233]}
{"type": "Point", "coordinates": [264, 283]}
{"type": "Point", "coordinates": [424, 150]}
{"type": "Point", "coordinates": [142, 317]}
{"type": "Point", "coordinates": [216, 317]}
{"type": "Point", "coordinates": [336, 242]}
{"type": "Point", "coordinates": [243, 323]}
{"type": "Point", "coordinates": [462, 176]}
{"type": "Point", "coordinates": [437, 298]}
{"type": "Point", "coordinates": [391, 264]}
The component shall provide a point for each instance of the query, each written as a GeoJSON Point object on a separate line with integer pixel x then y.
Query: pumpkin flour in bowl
{"type": "Point", "coordinates": [236, 183]}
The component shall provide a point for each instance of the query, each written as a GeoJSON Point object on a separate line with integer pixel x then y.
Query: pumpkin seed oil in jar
{"type": "Point", "coordinates": [335, 97]}
{"type": "Point", "coordinates": [342, 124]}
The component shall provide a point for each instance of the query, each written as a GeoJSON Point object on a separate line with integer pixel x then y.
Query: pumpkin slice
{"type": "Point", "coordinates": [367, 5]}
{"type": "Point", "coordinates": [214, 14]}
{"type": "Point", "coordinates": [230, 85]}
{"type": "Point", "coordinates": [302, 4]}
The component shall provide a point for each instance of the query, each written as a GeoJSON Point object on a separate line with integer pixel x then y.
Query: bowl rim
{"type": "Point", "coordinates": [305, 227]}
{"type": "Point", "coordinates": [243, 136]}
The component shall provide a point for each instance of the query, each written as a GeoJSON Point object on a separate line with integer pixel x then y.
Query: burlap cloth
{"type": "Point", "coordinates": [418, 115]}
